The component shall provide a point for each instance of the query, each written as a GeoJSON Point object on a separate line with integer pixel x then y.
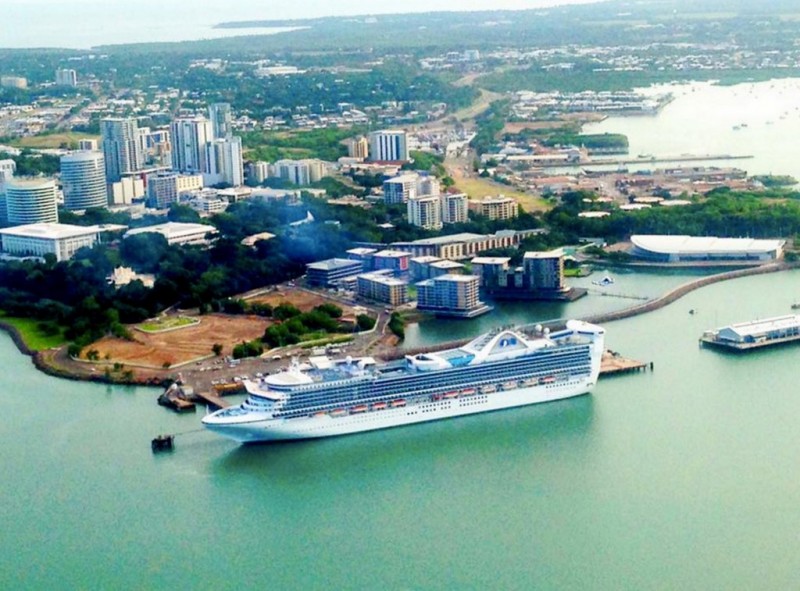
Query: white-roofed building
{"type": "Point", "coordinates": [179, 233]}
{"type": "Point", "coordinates": [672, 249]}
{"type": "Point", "coordinates": [61, 240]}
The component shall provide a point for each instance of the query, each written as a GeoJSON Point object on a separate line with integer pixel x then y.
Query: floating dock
{"type": "Point", "coordinates": [756, 334]}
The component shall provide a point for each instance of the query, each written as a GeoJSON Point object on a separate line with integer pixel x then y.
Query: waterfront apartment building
{"type": "Point", "coordinates": [31, 201]}
{"type": "Point", "coordinates": [496, 208]}
{"type": "Point", "coordinates": [464, 245]}
{"type": "Point", "coordinates": [60, 240]}
{"type": "Point", "coordinates": [381, 287]}
{"type": "Point", "coordinates": [454, 208]}
{"type": "Point", "coordinates": [388, 146]}
{"type": "Point", "coordinates": [451, 295]}
{"type": "Point", "coordinates": [329, 272]}
{"type": "Point", "coordinates": [83, 180]}
{"type": "Point", "coordinates": [120, 140]}
{"type": "Point", "coordinates": [425, 211]}
{"type": "Point", "coordinates": [544, 270]}
{"type": "Point", "coordinates": [66, 77]}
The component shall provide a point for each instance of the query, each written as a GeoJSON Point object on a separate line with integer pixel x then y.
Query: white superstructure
{"type": "Point", "coordinates": [498, 370]}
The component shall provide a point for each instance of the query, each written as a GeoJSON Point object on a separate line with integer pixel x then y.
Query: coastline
{"type": "Point", "coordinates": [45, 360]}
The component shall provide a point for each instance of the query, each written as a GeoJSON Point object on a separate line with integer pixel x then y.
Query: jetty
{"type": "Point", "coordinates": [178, 397]}
{"type": "Point", "coordinates": [756, 334]}
{"type": "Point", "coordinates": [613, 364]}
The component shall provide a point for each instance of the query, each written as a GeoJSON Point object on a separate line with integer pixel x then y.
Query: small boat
{"type": "Point", "coordinates": [358, 409]}
{"type": "Point", "coordinates": [488, 389]}
{"type": "Point", "coordinates": [453, 394]}
{"type": "Point", "coordinates": [397, 403]}
{"type": "Point", "coordinates": [795, 306]}
{"type": "Point", "coordinates": [379, 406]}
{"type": "Point", "coordinates": [548, 380]}
{"type": "Point", "coordinates": [468, 392]}
{"type": "Point", "coordinates": [162, 443]}
{"type": "Point", "coordinates": [339, 412]}
{"type": "Point", "coordinates": [606, 280]}
{"type": "Point", "coordinates": [509, 385]}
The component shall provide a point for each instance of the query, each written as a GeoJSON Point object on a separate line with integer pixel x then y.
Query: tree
{"type": "Point", "coordinates": [365, 322]}
{"type": "Point", "coordinates": [217, 349]}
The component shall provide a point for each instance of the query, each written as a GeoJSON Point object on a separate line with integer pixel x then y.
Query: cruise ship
{"type": "Point", "coordinates": [498, 370]}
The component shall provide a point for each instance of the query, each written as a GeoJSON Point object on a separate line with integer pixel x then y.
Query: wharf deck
{"type": "Point", "coordinates": [747, 346]}
{"type": "Point", "coordinates": [613, 364]}
{"type": "Point", "coordinates": [212, 399]}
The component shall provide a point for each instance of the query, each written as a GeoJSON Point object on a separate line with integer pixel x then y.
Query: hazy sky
{"type": "Point", "coordinates": [83, 23]}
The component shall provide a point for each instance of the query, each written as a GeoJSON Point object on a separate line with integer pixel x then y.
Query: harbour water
{"type": "Point", "coordinates": [680, 478]}
{"type": "Point", "coordinates": [760, 119]}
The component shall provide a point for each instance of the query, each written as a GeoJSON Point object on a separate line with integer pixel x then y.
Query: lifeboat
{"type": "Point", "coordinates": [379, 406]}
{"type": "Point", "coordinates": [358, 409]}
{"type": "Point", "coordinates": [468, 392]}
{"type": "Point", "coordinates": [451, 395]}
{"type": "Point", "coordinates": [509, 385]}
{"type": "Point", "coordinates": [397, 403]}
{"type": "Point", "coordinates": [488, 389]}
{"type": "Point", "coordinates": [548, 380]}
{"type": "Point", "coordinates": [339, 412]}
{"type": "Point", "coordinates": [530, 382]}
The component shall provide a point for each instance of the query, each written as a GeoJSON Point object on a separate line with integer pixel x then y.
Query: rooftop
{"type": "Point", "coordinates": [548, 254]}
{"type": "Point", "coordinates": [331, 264]}
{"type": "Point", "coordinates": [394, 254]}
{"type": "Point", "coordinates": [490, 260]}
{"type": "Point", "coordinates": [173, 229]}
{"type": "Point", "coordinates": [50, 231]}
{"type": "Point", "coordinates": [758, 327]}
{"type": "Point", "coordinates": [703, 244]}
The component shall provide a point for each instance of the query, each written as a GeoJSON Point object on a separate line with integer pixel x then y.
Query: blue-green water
{"type": "Point", "coordinates": [683, 478]}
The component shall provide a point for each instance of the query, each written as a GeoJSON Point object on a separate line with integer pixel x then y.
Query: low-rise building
{"type": "Point", "coordinates": [673, 249]}
{"type": "Point", "coordinates": [37, 240]}
{"type": "Point", "coordinates": [395, 261]}
{"type": "Point", "coordinates": [496, 208]}
{"type": "Point", "coordinates": [179, 233]}
{"type": "Point", "coordinates": [464, 245]}
{"type": "Point", "coordinates": [451, 295]}
{"type": "Point", "coordinates": [328, 273]}
{"type": "Point", "coordinates": [381, 287]}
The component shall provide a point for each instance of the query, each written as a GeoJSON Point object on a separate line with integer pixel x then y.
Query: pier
{"type": "Point", "coordinates": [211, 399]}
{"type": "Point", "coordinates": [614, 364]}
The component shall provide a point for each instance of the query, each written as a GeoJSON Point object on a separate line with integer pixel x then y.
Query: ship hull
{"type": "Point", "coordinates": [418, 410]}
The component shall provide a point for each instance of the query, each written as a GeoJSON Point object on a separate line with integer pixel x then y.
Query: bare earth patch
{"type": "Point", "coordinates": [184, 345]}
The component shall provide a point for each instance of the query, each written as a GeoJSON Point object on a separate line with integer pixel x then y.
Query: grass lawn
{"type": "Point", "coordinates": [33, 336]}
{"type": "Point", "coordinates": [167, 323]}
{"type": "Point", "coordinates": [478, 188]}
{"type": "Point", "coordinates": [53, 140]}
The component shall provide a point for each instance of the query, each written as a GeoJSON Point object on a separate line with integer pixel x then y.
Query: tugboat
{"type": "Point", "coordinates": [162, 443]}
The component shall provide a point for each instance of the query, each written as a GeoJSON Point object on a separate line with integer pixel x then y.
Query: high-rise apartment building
{"type": "Point", "coordinates": [66, 77]}
{"type": "Point", "coordinates": [164, 189]}
{"type": "Point", "coordinates": [358, 148]}
{"type": "Point", "coordinates": [544, 270]}
{"type": "Point", "coordinates": [388, 146]}
{"type": "Point", "coordinates": [30, 201]}
{"type": "Point", "coordinates": [257, 172]}
{"type": "Point", "coordinates": [83, 180]}
{"type": "Point", "coordinates": [454, 208]}
{"type": "Point", "coordinates": [223, 163]}
{"type": "Point", "coordinates": [300, 172]}
{"type": "Point", "coordinates": [221, 120]}
{"type": "Point", "coordinates": [190, 137]}
{"type": "Point", "coordinates": [425, 211]}
{"type": "Point", "coordinates": [120, 138]}
{"type": "Point", "coordinates": [7, 169]}
{"type": "Point", "coordinates": [400, 189]}
{"type": "Point", "coordinates": [497, 208]}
